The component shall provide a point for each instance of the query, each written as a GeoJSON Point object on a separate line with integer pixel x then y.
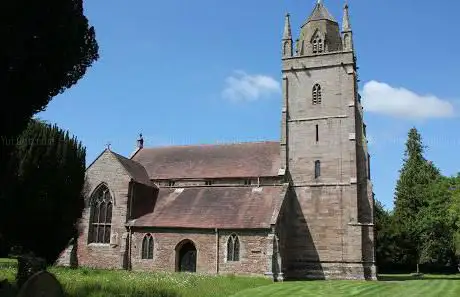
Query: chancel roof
{"type": "Point", "coordinates": [239, 207]}
{"type": "Point", "coordinates": [250, 159]}
{"type": "Point", "coordinates": [134, 169]}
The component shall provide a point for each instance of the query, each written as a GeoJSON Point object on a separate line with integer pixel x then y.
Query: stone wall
{"type": "Point", "coordinates": [106, 169]}
{"type": "Point", "coordinates": [328, 235]}
{"type": "Point", "coordinates": [253, 251]}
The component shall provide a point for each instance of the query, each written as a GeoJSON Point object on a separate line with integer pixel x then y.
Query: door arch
{"type": "Point", "coordinates": [186, 255]}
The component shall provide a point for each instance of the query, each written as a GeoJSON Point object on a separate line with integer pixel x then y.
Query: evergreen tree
{"type": "Point", "coordinates": [435, 230]}
{"type": "Point", "coordinates": [47, 47]}
{"type": "Point", "coordinates": [411, 197]}
{"type": "Point", "coordinates": [384, 246]}
{"type": "Point", "coordinates": [49, 195]}
{"type": "Point", "coordinates": [454, 212]}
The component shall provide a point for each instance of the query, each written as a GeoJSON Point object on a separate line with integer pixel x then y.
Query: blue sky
{"type": "Point", "coordinates": [165, 66]}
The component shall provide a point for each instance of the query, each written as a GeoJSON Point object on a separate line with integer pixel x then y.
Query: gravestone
{"type": "Point", "coordinates": [28, 265]}
{"type": "Point", "coordinates": [41, 284]}
{"type": "Point", "coordinates": [6, 290]}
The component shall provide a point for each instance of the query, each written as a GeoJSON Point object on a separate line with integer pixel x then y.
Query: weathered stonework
{"type": "Point", "coordinates": [317, 225]}
{"type": "Point", "coordinates": [333, 230]}
{"type": "Point", "coordinates": [253, 251]}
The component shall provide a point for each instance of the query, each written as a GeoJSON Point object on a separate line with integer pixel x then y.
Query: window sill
{"type": "Point", "coordinates": [99, 244]}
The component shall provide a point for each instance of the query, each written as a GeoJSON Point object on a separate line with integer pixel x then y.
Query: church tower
{"type": "Point", "coordinates": [324, 153]}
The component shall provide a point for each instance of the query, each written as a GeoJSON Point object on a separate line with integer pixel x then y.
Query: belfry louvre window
{"type": "Point", "coordinates": [147, 247]}
{"type": "Point", "coordinates": [101, 216]}
{"type": "Point", "coordinates": [318, 46]}
{"type": "Point", "coordinates": [233, 248]}
{"type": "Point", "coordinates": [316, 94]}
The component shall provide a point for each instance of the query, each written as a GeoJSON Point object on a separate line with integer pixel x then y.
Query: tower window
{"type": "Point", "coordinates": [316, 94]}
{"type": "Point", "coordinates": [317, 168]}
{"type": "Point", "coordinates": [318, 45]}
{"type": "Point", "coordinates": [317, 133]}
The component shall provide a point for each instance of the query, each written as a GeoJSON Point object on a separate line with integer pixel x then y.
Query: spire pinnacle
{"type": "Point", "coordinates": [287, 35]}
{"type": "Point", "coordinates": [346, 18]}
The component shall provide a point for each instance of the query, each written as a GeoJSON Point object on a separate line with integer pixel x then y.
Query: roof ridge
{"type": "Point", "coordinates": [211, 144]}
{"type": "Point", "coordinates": [125, 158]}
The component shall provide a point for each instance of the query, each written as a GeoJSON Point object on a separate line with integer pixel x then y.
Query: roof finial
{"type": "Point", "coordinates": [140, 141]}
{"type": "Point", "coordinates": [320, 1]}
{"type": "Point", "coordinates": [108, 145]}
{"type": "Point", "coordinates": [346, 18]}
{"type": "Point", "coordinates": [287, 28]}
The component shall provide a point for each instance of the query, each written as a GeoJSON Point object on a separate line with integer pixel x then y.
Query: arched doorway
{"type": "Point", "coordinates": [186, 256]}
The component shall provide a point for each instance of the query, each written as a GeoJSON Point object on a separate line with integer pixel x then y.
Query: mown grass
{"type": "Point", "coordinates": [118, 283]}
{"type": "Point", "coordinates": [388, 286]}
{"type": "Point", "coordinates": [101, 283]}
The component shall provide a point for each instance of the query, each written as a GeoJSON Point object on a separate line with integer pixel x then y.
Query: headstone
{"type": "Point", "coordinates": [41, 284]}
{"type": "Point", "coordinates": [28, 265]}
{"type": "Point", "coordinates": [6, 290]}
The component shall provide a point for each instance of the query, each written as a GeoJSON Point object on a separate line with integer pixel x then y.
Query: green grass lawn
{"type": "Point", "coordinates": [389, 285]}
{"type": "Point", "coordinates": [98, 283]}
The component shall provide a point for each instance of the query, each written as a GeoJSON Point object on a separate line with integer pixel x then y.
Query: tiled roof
{"type": "Point", "coordinates": [250, 159]}
{"type": "Point", "coordinates": [216, 207]}
{"type": "Point", "coordinates": [320, 13]}
{"type": "Point", "coordinates": [134, 169]}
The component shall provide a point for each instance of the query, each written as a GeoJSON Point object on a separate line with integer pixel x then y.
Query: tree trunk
{"type": "Point", "coordinates": [28, 265]}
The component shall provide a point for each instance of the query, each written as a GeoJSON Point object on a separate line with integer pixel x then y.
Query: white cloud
{"type": "Point", "coordinates": [382, 98]}
{"type": "Point", "coordinates": [244, 87]}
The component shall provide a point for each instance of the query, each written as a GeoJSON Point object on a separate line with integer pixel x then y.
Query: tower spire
{"type": "Point", "coordinates": [287, 28]}
{"type": "Point", "coordinates": [346, 19]}
{"type": "Point", "coordinates": [287, 38]}
{"type": "Point", "coordinates": [347, 34]}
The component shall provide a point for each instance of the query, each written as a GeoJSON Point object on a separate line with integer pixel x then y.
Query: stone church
{"type": "Point", "coordinates": [294, 209]}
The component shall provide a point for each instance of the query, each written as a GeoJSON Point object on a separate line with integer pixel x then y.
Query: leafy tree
{"type": "Point", "coordinates": [454, 211]}
{"type": "Point", "coordinates": [49, 195]}
{"type": "Point", "coordinates": [47, 47]}
{"type": "Point", "coordinates": [435, 229]}
{"type": "Point", "coordinates": [384, 251]}
{"type": "Point", "coordinates": [411, 196]}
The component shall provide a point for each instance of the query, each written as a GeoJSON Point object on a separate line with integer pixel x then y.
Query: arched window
{"type": "Point", "coordinates": [285, 48]}
{"type": "Point", "coordinates": [316, 94]}
{"type": "Point", "coordinates": [233, 248]}
{"type": "Point", "coordinates": [101, 216]}
{"type": "Point", "coordinates": [147, 247]}
{"type": "Point", "coordinates": [318, 45]}
{"type": "Point", "coordinates": [317, 168]}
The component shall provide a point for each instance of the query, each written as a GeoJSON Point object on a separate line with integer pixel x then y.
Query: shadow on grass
{"type": "Point", "coordinates": [393, 278]}
{"type": "Point", "coordinates": [96, 290]}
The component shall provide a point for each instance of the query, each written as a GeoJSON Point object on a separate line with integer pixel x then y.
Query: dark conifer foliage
{"type": "Point", "coordinates": [47, 47]}
{"type": "Point", "coordinates": [49, 195]}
